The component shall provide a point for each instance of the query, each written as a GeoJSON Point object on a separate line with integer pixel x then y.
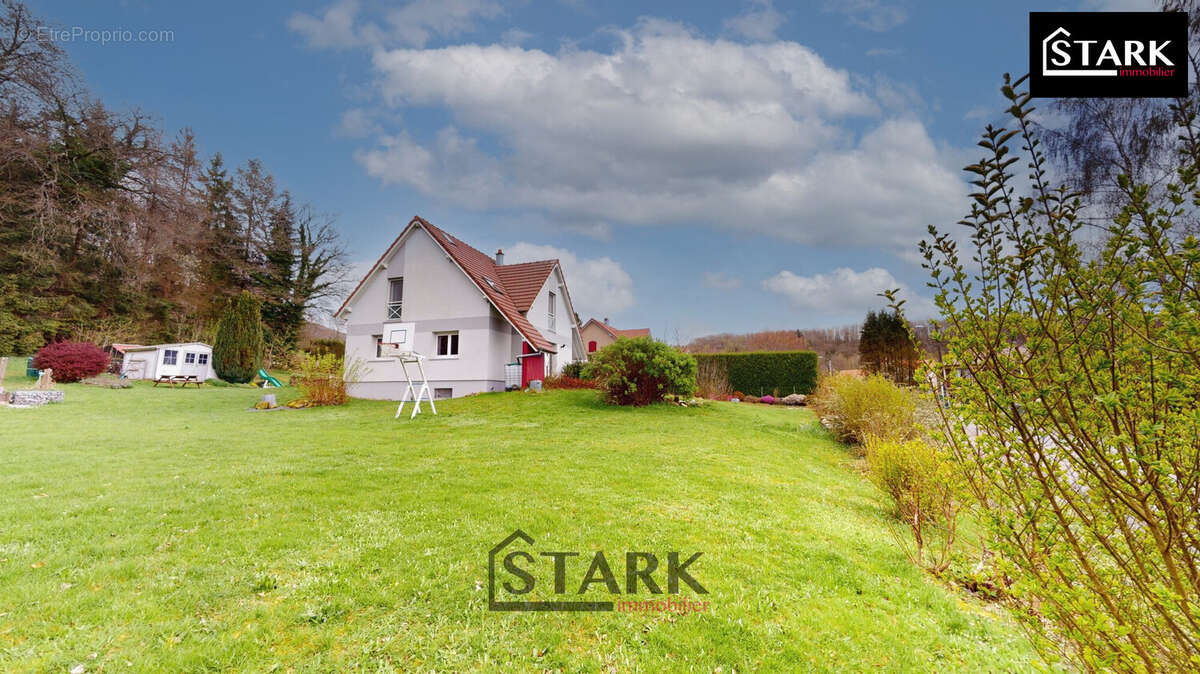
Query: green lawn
{"type": "Point", "coordinates": [168, 529]}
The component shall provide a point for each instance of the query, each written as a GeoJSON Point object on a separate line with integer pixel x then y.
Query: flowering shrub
{"type": "Point", "coordinates": [71, 361]}
{"type": "Point", "coordinates": [767, 399]}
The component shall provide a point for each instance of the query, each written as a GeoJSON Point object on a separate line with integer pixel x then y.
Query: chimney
{"type": "Point", "coordinates": [499, 256]}
{"type": "Point", "coordinates": [606, 321]}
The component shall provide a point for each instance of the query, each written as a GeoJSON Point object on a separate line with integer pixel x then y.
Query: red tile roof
{"type": "Point", "coordinates": [526, 279]}
{"type": "Point", "coordinates": [632, 332]}
{"type": "Point", "coordinates": [482, 268]}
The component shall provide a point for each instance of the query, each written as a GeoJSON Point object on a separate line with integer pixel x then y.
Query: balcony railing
{"type": "Point", "coordinates": [393, 310]}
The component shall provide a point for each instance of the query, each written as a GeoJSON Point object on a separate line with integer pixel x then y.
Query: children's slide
{"type": "Point", "coordinates": [268, 380]}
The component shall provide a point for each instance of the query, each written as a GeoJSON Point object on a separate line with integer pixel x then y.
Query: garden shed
{"type": "Point", "coordinates": [169, 360]}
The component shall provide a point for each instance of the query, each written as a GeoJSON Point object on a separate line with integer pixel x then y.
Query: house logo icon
{"type": "Point", "coordinates": [1060, 36]}
{"type": "Point", "coordinates": [509, 550]}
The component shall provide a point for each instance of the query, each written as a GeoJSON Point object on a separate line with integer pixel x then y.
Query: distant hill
{"type": "Point", "coordinates": [839, 345]}
{"type": "Point", "coordinates": [313, 331]}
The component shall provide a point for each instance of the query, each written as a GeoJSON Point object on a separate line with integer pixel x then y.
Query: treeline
{"type": "Point", "coordinates": [110, 231]}
{"type": "Point", "coordinates": [837, 346]}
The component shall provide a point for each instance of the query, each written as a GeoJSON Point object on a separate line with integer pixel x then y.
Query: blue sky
{"type": "Point", "coordinates": [698, 167]}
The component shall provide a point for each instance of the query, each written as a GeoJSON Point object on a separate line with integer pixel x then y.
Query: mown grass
{"type": "Point", "coordinates": [170, 529]}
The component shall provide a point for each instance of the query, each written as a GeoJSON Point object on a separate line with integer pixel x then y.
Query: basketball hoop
{"type": "Point", "coordinates": [416, 390]}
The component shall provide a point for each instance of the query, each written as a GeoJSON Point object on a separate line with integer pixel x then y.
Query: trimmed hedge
{"type": "Point", "coordinates": [767, 372]}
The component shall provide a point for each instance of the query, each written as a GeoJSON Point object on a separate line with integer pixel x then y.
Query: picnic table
{"type": "Point", "coordinates": [181, 379]}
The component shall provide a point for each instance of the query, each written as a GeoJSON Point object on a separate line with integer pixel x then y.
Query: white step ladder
{"type": "Point", "coordinates": [401, 352]}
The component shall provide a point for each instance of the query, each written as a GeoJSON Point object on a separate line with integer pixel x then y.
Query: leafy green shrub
{"type": "Point", "coordinates": [574, 369]}
{"type": "Point", "coordinates": [237, 350]}
{"type": "Point", "coordinates": [765, 372]}
{"type": "Point", "coordinates": [71, 361]}
{"type": "Point", "coordinates": [639, 371]}
{"type": "Point", "coordinates": [1072, 362]}
{"type": "Point", "coordinates": [922, 488]}
{"type": "Point", "coordinates": [855, 408]}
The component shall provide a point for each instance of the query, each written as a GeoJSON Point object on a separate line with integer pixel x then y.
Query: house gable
{"type": "Point", "coordinates": [478, 268]}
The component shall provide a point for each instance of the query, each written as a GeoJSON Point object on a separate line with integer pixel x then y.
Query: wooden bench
{"type": "Point", "coordinates": [182, 380]}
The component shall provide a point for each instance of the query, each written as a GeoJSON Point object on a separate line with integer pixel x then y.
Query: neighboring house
{"type": "Point", "coordinates": [168, 360]}
{"type": "Point", "coordinates": [470, 315]}
{"type": "Point", "coordinates": [597, 335]}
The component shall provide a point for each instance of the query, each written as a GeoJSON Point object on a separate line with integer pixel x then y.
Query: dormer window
{"type": "Point", "coordinates": [395, 297]}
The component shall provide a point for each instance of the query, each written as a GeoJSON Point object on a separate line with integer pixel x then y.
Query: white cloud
{"type": "Point", "coordinates": [333, 28]}
{"type": "Point", "coordinates": [515, 36]}
{"type": "Point", "coordinates": [721, 281]}
{"type": "Point", "coordinates": [1121, 5]}
{"type": "Point", "coordinates": [872, 15]}
{"type": "Point", "coordinates": [413, 23]}
{"type": "Point", "coordinates": [759, 21]}
{"type": "Point", "coordinates": [357, 123]}
{"type": "Point", "coordinates": [846, 290]}
{"type": "Point", "coordinates": [665, 128]}
{"type": "Point", "coordinates": [980, 112]}
{"type": "Point", "coordinates": [599, 286]}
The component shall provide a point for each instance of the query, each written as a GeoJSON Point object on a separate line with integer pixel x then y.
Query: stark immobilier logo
{"type": "Point", "coordinates": [1108, 54]}
{"type": "Point", "coordinates": [546, 580]}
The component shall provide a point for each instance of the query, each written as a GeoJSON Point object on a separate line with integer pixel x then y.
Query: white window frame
{"type": "Point", "coordinates": [202, 359]}
{"type": "Point", "coordinates": [376, 339]}
{"type": "Point", "coordinates": [453, 344]}
{"type": "Point", "coordinates": [551, 322]}
{"type": "Point", "coordinates": [189, 357]}
{"type": "Point", "coordinates": [395, 307]}
{"type": "Point", "coordinates": [173, 354]}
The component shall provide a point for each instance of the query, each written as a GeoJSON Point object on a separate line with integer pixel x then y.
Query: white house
{"type": "Point", "coordinates": [470, 313]}
{"type": "Point", "coordinates": [168, 360]}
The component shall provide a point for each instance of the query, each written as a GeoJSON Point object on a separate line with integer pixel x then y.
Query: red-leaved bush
{"type": "Point", "coordinates": [563, 381]}
{"type": "Point", "coordinates": [71, 361]}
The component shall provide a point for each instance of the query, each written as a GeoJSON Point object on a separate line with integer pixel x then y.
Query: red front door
{"type": "Point", "coordinates": [532, 366]}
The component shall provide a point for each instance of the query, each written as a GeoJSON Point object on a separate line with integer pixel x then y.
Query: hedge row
{"type": "Point", "coordinates": [767, 372]}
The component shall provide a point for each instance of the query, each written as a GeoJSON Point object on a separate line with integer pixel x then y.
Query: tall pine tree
{"type": "Point", "coordinates": [237, 351]}
{"type": "Point", "coordinates": [282, 314]}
